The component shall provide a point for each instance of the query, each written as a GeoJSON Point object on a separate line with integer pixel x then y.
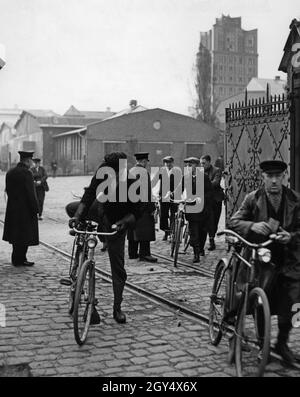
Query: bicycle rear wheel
{"type": "Point", "coordinates": [253, 330]}
{"type": "Point", "coordinates": [84, 301]}
{"type": "Point", "coordinates": [217, 302]}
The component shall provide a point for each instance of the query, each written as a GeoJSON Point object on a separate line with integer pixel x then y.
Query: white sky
{"type": "Point", "coordinates": [99, 53]}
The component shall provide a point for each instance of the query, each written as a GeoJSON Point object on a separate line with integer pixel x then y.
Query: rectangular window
{"type": "Point", "coordinates": [194, 149]}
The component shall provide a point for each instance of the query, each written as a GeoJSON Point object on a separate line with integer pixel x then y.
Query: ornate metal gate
{"type": "Point", "coordinates": [255, 131]}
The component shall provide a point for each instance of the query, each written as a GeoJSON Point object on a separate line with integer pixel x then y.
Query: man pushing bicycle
{"type": "Point", "coordinates": [274, 208]}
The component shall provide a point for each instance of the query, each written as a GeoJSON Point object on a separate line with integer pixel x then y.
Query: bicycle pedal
{"type": "Point", "coordinates": [66, 281]}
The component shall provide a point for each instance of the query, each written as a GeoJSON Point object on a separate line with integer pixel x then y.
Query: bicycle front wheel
{"type": "Point", "coordinates": [84, 301]}
{"type": "Point", "coordinates": [178, 237]}
{"type": "Point", "coordinates": [253, 335]}
{"type": "Point", "coordinates": [217, 303]}
{"type": "Point", "coordinates": [79, 258]}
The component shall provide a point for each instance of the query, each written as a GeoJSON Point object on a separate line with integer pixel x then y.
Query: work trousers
{"type": "Point", "coordinates": [40, 193]}
{"type": "Point", "coordinates": [18, 256]}
{"type": "Point", "coordinates": [167, 215]}
{"type": "Point", "coordinates": [116, 252]}
{"type": "Point", "coordinates": [198, 233]}
{"type": "Point", "coordinates": [138, 248]}
{"type": "Point", "coordinates": [215, 213]}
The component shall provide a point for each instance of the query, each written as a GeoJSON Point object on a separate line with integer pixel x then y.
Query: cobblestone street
{"type": "Point", "coordinates": [155, 341]}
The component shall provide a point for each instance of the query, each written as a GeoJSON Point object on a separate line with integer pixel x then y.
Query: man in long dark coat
{"type": "Point", "coordinates": [144, 231]}
{"type": "Point", "coordinates": [275, 204]}
{"type": "Point", "coordinates": [198, 221]}
{"type": "Point", "coordinates": [40, 182]}
{"type": "Point", "coordinates": [21, 222]}
{"type": "Point", "coordinates": [217, 197]}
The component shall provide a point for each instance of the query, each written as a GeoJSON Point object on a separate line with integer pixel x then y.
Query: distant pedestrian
{"type": "Point", "coordinates": [21, 222]}
{"type": "Point", "coordinates": [219, 163]}
{"type": "Point", "coordinates": [167, 208]}
{"type": "Point", "coordinates": [54, 168]}
{"type": "Point", "coordinates": [40, 182]}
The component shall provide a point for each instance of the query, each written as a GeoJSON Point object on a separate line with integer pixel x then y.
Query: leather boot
{"type": "Point", "coordinates": [282, 348]}
{"type": "Point", "coordinates": [196, 258]}
{"type": "Point", "coordinates": [119, 316]}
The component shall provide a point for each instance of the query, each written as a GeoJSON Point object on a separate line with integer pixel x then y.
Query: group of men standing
{"type": "Point", "coordinates": [202, 223]}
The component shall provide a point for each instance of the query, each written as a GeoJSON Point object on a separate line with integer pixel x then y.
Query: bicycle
{"type": "Point", "coordinates": [83, 283]}
{"type": "Point", "coordinates": [179, 231]}
{"type": "Point", "coordinates": [239, 300]}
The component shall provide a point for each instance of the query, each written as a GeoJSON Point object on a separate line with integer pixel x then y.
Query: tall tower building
{"type": "Point", "coordinates": [234, 56]}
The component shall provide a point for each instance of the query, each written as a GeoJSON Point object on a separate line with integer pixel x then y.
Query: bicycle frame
{"type": "Point", "coordinates": [250, 264]}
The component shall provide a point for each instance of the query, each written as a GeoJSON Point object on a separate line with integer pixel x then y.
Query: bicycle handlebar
{"type": "Point", "coordinates": [94, 233]}
{"type": "Point", "coordinates": [252, 245]}
{"type": "Point", "coordinates": [187, 202]}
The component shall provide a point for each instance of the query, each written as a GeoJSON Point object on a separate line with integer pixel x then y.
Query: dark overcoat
{"type": "Point", "coordinates": [254, 209]}
{"type": "Point", "coordinates": [21, 222]}
{"type": "Point", "coordinates": [215, 176]}
{"type": "Point", "coordinates": [144, 229]}
{"type": "Point", "coordinates": [40, 178]}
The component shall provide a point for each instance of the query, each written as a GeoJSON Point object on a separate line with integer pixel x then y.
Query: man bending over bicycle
{"type": "Point", "coordinates": [270, 209]}
{"type": "Point", "coordinates": [115, 212]}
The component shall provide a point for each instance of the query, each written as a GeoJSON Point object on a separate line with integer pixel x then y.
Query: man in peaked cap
{"type": "Point", "coordinates": [21, 222]}
{"type": "Point", "coordinates": [274, 208]}
{"type": "Point", "coordinates": [144, 231]}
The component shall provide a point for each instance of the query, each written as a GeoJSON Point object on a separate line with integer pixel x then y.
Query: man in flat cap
{"type": "Point", "coordinates": [275, 208]}
{"type": "Point", "coordinates": [198, 221]}
{"type": "Point", "coordinates": [21, 222]}
{"type": "Point", "coordinates": [144, 231]}
{"type": "Point", "coordinates": [40, 182]}
{"type": "Point", "coordinates": [167, 208]}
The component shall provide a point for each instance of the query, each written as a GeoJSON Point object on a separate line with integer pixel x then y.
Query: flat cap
{"type": "Point", "coordinates": [168, 159]}
{"type": "Point", "coordinates": [273, 166]}
{"type": "Point", "coordinates": [24, 154]}
{"type": "Point", "coordinates": [141, 155]}
{"type": "Point", "coordinates": [195, 160]}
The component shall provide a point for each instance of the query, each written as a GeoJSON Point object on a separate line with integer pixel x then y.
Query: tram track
{"type": "Point", "coordinates": [177, 309]}
{"type": "Point", "coordinates": [180, 263]}
{"type": "Point", "coordinates": [180, 311]}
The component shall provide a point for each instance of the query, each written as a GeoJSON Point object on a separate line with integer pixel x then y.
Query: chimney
{"type": "Point", "coordinates": [133, 103]}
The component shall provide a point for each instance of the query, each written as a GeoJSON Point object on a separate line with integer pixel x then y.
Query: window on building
{"type": "Point", "coordinates": [194, 149]}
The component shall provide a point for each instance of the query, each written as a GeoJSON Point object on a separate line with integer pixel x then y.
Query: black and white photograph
{"type": "Point", "coordinates": [149, 192]}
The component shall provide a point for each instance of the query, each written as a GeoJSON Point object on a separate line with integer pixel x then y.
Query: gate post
{"type": "Point", "coordinates": [296, 129]}
{"type": "Point", "coordinates": [290, 64]}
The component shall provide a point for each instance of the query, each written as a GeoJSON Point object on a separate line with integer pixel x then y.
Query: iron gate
{"type": "Point", "coordinates": [255, 131]}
